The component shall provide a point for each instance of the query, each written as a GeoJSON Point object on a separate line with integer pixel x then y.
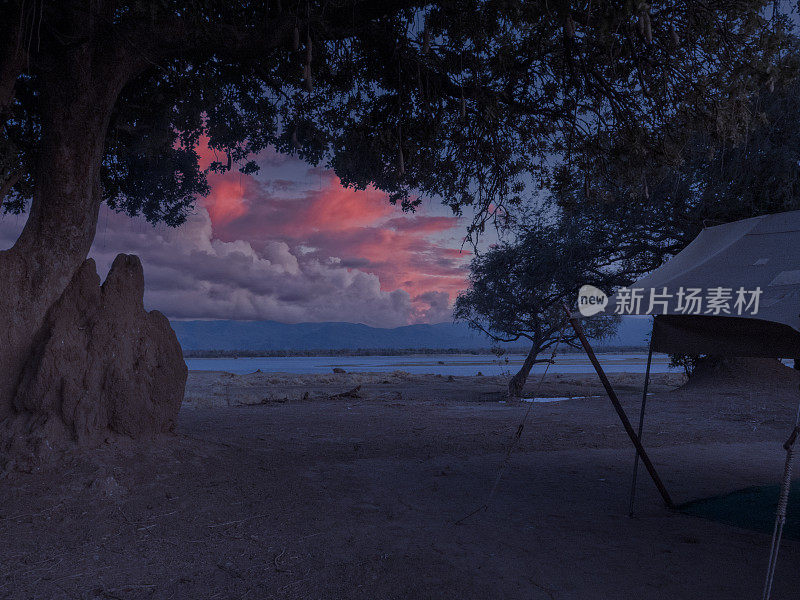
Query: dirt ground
{"type": "Point", "coordinates": [275, 487]}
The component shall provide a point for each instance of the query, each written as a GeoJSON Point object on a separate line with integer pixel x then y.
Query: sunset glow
{"type": "Point", "coordinates": [291, 244]}
{"type": "Point", "coordinates": [318, 218]}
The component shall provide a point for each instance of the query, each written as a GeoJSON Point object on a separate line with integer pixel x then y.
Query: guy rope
{"type": "Point", "coordinates": [780, 512]}
{"type": "Point", "coordinates": [518, 434]}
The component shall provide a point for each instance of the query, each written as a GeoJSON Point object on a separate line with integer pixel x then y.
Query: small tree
{"type": "Point", "coordinates": [517, 289]}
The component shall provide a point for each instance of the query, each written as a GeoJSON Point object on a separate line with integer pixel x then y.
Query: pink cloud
{"type": "Point", "coordinates": [226, 201]}
{"type": "Point", "coordinates": [332, 208]}
{"type": "Point", "coordinates": [357, 228]}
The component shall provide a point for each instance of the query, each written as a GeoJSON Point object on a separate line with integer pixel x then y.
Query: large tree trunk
{"type": "Point", "coordinates": [76, 103]}
{"type": "Point", "coordinates": [77, 98]}
{"type": "Point", "coordinates": [517, 382]}
{"type": "Point", "coordinates": [63, 214]}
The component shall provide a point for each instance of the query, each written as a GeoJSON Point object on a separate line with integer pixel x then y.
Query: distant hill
{"type": "Point", "coordinates": [274, 336]}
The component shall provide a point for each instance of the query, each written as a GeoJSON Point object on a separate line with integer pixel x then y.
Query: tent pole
{"type": "Point", "coordinates": [641, 425]}
{"type": "Point", "coordinates": [612, 395]}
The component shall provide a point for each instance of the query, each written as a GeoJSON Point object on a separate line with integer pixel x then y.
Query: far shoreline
{"type": "Point", "coordinates": [334, 353]}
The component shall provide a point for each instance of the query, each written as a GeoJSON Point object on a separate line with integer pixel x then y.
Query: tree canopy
{"type": "Point", "coordinates": [517, 287]}
{"type": "Point", "coordinates": [467, 101]}
{"type": "Point", "coordinates": [642, 222]}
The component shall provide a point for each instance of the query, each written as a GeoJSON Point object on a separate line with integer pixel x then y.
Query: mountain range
{"type": "Point", "coordinates": [273, 336]}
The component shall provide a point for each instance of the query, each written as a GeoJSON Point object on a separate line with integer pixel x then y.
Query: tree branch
{"type": "Point", "coordinates": [173, 36]}
{"type": "Point", "coordinates": [476, 325]}
{"type": "Point", "coordinates": [12, 57]}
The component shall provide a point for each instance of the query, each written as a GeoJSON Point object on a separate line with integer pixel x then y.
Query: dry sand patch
{"type": "Point", "coordinates": [357, 498]}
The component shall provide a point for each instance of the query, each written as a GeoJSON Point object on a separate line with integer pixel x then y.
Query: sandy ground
{"type": "Point", "coordinates": [266, 492]}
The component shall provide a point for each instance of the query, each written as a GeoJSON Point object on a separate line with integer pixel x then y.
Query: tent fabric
{"type": "Point", "coordinates": [758, 253]}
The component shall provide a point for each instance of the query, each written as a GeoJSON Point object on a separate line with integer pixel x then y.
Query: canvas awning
{"type": "Point", "coordinates": [730, 264]}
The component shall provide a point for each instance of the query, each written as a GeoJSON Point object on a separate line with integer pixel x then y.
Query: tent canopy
{"type": "Point", "coordinates": [748, 276]}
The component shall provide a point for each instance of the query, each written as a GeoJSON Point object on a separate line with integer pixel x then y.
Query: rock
{"type": "Point", "coordinates": [108, 486]}
{"type": "Point", "coordinates": [338, 370]}
{"type": "Point", "coordinates": [354, 393]}
{"type": "Point", "coordinates": [102, 365]}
